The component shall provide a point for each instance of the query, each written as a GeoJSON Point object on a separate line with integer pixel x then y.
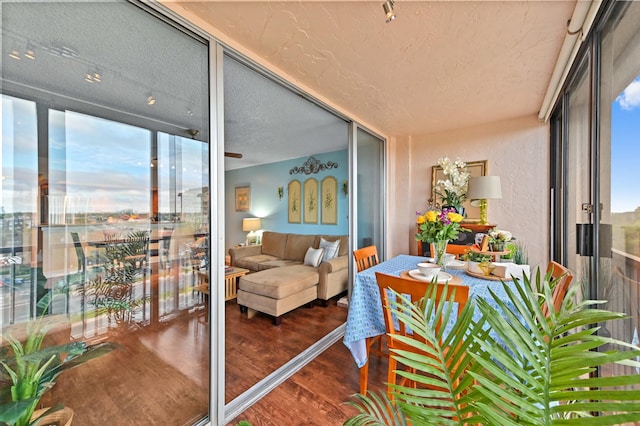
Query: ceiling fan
{"type": "Point", "coordinates": [195, 132]}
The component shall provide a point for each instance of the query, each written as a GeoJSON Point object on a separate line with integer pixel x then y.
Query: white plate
{"type": "Point", "coordinates": [457, 264]}
{"type": "Point", "coordinates": [442, 276]}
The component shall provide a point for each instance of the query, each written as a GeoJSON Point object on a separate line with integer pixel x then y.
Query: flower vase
{"type": "Point", "coordinates": [440, 248]}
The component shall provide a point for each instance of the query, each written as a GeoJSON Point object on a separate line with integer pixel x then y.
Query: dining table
{"type": "Point", "coordinates": [365, 317]}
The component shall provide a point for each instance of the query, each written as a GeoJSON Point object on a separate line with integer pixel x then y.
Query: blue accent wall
{"type": "Point", "coordinates": [264, 181]}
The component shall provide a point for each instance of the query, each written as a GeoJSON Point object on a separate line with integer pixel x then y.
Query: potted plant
{"type": "Point", "coordinates": [474, 259]}
{"type": "Point", "coordinates": [111, 292]}
{"type": "Point", "coordinates": [31, 370]}
{"type": "Point", "coordinates": [515, 367]}
{"type": "Point", "coordinates": [498, 238]}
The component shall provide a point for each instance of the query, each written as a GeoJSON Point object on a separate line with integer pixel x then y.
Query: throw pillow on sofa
{"type": "Point", "coordinates": [313, 257]}
{"type": "Point", "coordinates": [330, 249]}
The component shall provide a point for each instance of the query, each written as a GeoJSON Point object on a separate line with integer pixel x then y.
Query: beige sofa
{"type": "Point", "coordinates": [280, 281]}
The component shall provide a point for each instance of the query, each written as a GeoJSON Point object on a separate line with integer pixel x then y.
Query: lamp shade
{"type": "Point", "coordinates": [484, 187]}
{"type": "Point", "coordinates": [251, 224]}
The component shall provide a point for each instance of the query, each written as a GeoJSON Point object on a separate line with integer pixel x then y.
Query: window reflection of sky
{"type": "Point", "coordinates": [95, 165]}
{"type": "Point", "coordinates": [625, 149]}
{"type": "Point", "coordinates": [107, 163]}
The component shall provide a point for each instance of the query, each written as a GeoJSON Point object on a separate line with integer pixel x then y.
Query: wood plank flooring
{"type": "Point", "coordinates": [161, 375]}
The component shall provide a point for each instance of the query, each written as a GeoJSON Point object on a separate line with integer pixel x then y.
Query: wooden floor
{"type": "Point", "coordinates": [161, 374]}
{"type": "Point", "coordinates": [315, 395]}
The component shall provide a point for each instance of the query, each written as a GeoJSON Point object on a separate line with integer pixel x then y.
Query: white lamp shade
{"type": "Point", "coordinates": [251, 224]}
{"type": "Point", "coordinates": [484, 187]}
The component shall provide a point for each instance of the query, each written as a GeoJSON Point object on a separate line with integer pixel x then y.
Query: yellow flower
{"type": "Point", "coordinates": [420, 220]}
{"type": "Point", "coordinates": [455, 217]}
{"type": "Point", "coordinates": [431, 216]}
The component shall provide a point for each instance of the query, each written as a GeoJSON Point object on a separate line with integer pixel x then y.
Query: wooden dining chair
{"type": "Point", "coordinates": [415, 290]}
{"type": "Point", "coordinates": [365, 258]}
{"type": "Point", "coordinates": [456, 249]}
{"type": "Point", "coordinates": [556, 270]}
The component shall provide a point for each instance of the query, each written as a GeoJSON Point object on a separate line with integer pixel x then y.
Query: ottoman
{"type": "Point", "coordinates": [277, 291]}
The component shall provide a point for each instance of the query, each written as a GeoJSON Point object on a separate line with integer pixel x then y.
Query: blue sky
{"type": "Point", "coordinates": [625, 149]}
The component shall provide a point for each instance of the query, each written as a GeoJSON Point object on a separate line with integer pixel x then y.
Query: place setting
{"type": "Point", "coordinates": [432, 272]}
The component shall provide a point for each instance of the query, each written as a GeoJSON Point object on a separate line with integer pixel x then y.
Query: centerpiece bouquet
{"type": "Point", "coordinates": [438, 228]}
{"type": "Point", "coordinates": [453, 190]}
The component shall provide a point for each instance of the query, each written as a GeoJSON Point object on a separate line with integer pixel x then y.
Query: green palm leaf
{"type": "Point", "coordinates": [531, 369]}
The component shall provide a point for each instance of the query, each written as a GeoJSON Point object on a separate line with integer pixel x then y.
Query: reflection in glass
{"type": "Point", "coordinates": [619, 255]}
{"type": "Point", "coordinates": [102, 203]}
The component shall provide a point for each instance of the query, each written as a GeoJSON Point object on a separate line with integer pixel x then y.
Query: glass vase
{"type": "Point", "coordinates": [440, 248]}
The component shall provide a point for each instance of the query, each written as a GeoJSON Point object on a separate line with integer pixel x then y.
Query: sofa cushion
{"type": "Point", "coordinates": [277, 263]}
{"type": "Point", "coordinates": [278, 283]}
{"type": "Point", "coordinates": [313, 257]}
{"type": "Point", "coordinates": [330, 249]}
{"type": "Point", "coordinates": [344, 242]}
{"type": "Point", "coordinates": [254, 263]}
{"type": "Point", "coordinates": [273, 244]}
{"type": "Point", "coordinates": [297, 245]}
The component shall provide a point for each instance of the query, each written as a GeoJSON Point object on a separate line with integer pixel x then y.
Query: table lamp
{"type": "Point", "coordinates": [482, 188]}
{"type": "Point", "coordinates": [250, 225]}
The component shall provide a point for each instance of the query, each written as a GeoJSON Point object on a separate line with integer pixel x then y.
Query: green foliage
{"type": "Point", "coordinates": [531, 369]}
{"type": "Point", "coordinates": [520, 254]}
{"type": "Point", "coordinates": [111, 292]}
{"type": "Point", "coordinates": [33, 370]}
{"type": "Point", "coordinates": [474, 256]}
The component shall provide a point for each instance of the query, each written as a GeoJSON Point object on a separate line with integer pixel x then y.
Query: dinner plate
{"type": "Point", "coordinates": [442, 276]}
{"type": "Point", "coordinates": [457, 264]}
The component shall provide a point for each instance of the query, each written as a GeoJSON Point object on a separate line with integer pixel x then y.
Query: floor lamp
{"type": "Point", "coordinates": [482, 188]}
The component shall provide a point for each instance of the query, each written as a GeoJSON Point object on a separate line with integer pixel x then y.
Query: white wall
{"type": "Point", "coordinates": [517, 150]}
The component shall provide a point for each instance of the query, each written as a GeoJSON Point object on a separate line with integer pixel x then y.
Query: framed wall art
{"type": "Point", "coordinates": [329, 200]}
{"type": "Point", "coordinates": [475, 168]}
{"type": "Point", "coordinates": [243, 198]}
{"type": "Point", "coordinates": [294, 192]}
{"type": "Point", "coordinates": [310, 201]}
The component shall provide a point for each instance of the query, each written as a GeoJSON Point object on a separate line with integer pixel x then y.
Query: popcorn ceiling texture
{"type": "Point", "coordinates": [438, 66]}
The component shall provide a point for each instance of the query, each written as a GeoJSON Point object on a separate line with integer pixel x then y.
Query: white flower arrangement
{"type": "Point", "coordinates": [453, 189]}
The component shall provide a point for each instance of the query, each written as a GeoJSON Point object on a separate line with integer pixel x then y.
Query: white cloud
{"type": "Point", "coordinates": [630, 97]}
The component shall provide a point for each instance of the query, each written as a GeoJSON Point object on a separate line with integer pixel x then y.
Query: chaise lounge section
{"type": "Point", "coordinates": [281, 281]}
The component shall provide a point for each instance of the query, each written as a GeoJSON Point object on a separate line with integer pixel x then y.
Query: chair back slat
{"type": "Point", "coordinates": [556, 271]}
{"type": "Point", "coordinates": [366, 257]}
{"type": "Point", "coordinates": [415, 290]}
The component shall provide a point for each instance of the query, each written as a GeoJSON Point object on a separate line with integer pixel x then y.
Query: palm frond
{"type": "Point", "coordinates": [514, 366]}
{"type": "Point", "coordinates": [552, 357]}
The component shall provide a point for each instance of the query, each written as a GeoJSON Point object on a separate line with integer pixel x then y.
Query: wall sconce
{"type": "Point", "coordinates": [482, 188]}
{"type": "Point", "coordinates": [280, 192]}
{"type": "Point", "coordinates": [345, 187]}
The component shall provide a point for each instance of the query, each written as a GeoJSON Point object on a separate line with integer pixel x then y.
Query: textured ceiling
{"type": "Point", "coordinates": [439, 65]}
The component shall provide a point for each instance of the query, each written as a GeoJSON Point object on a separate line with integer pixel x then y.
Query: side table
{"type": "Point", "coordinates": [231, 282]}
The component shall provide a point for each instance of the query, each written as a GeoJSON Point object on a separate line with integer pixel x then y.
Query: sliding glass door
{"type": "Point", "coordinates": [104, 199]}
{"type": "Point", "coordinates": [594, 179]}
{"type": "Point", "coordinates": [619, 196]}
{"type": "Point", "coordinates": [369, 166]}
